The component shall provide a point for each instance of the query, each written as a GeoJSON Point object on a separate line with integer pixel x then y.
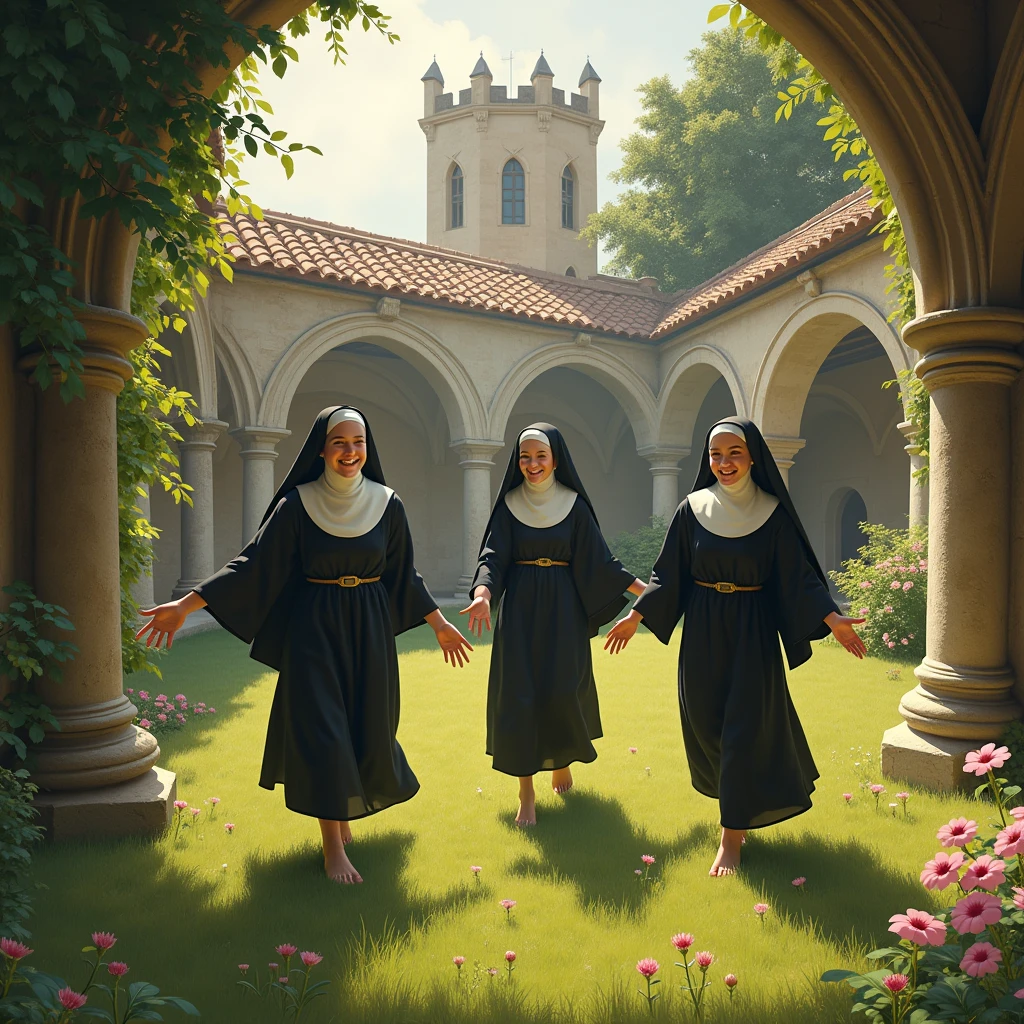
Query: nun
{"type": "Point", "coordinates": [737, 566]}
{"type": "Point", "coordinates": [320, 593]}
{"type": "Point", "coordinates": [544, 559]}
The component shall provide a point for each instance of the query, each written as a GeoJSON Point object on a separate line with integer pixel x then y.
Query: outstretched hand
{"type": "Point", "coordinates": [479, 612]}
{"type": "Point", "coordinates": [164, 621]}
{"type": "Point", "coordinates": [455, 646]}
{"type": "Point", "coordinates": [621, 633]}
{"type": "Point", "coordinates": [843, 631]}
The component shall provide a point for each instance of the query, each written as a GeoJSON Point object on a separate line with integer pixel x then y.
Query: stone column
{"type": "Point", "coordinates": [918, 489]}
{"type": "Point", "coordinates": [259, 452]}
{"type": "Point", "coordinates": [143, 589]}
{"type": "Point", "coordinates": [665, 470]}
{"type": "Point", "coordinates": [476, 459]}
{"type": "Point", "coordinates": [963, 699]}
{"type": "Point", "coordinates": [196, 453]}
{"type": "Point", "coordinates": [97, 773]}
{"type": "Point", "coordinates": [784, 450]}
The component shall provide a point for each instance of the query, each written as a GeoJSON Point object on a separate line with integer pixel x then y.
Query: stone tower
{"type": "Point", "coordinates": [513, 178]}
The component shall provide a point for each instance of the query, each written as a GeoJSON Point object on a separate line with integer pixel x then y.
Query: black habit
{"type": "Point", "coordinates": [332, 734]}
{"type": "Point", "coordinates": [542, 708]}
{"type": "Point", "coordinates": [744, 742]}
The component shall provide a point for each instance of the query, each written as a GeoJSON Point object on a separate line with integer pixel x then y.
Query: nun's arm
{"type": "Point", "coordinates": [495, 555]}
{"type": "Point", "coordinates": [410, 600]}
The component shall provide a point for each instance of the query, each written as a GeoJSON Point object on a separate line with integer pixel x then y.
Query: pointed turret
{"type": "Point", "coordinates": [433, 86]}
{"type": "Point", "coordinates": [590, 87]}
{"type": "Point", "coordinates": [433, 73]}
{"type": "Point", "coordinates": [542, 79]}
{"type": "Point", "coordinates": [481, 67]}
{"type": "Point", "coordinates": [589, 74]}
{"type": "Point", "coordinates": [542, 67]}
{"type": "Point", "coordinates": [480, 81]}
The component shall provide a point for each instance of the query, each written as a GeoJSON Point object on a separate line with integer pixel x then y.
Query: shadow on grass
{"type": "Point", "coordinates": [848, 894]}
{"type": "Point", "coordinates": [590, 841]}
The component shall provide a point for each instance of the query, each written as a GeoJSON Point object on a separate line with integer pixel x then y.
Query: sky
{"type": "Point", "coordinates": [363, 114]}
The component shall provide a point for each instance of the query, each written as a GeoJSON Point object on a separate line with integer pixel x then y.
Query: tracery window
{"type": "Point", "coordinates": [568, 197]}
{"type": "Point", "coordinates": [457, 198]}
{"type": "Point", "coordinates": [513, 193]}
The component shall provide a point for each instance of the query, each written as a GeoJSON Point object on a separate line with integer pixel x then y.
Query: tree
{"type": "Point", "coordinates": [713, 176]}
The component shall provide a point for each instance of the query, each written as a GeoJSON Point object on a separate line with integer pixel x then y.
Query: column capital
{"type": "Point", "coordinates": [203, 436]}
{"type": "Point", "coordinates": [784, 449]}
{"type": "Point", "coordinates": [476, 451]}
{"type": "Point", "coordinates": [974, 345]}
{"type": "Point", "coordinates": [259, 442]}
{"type": "Point", "coordinates": [910, 432]}
{"type": "Point", "coordinates": [664, 459]}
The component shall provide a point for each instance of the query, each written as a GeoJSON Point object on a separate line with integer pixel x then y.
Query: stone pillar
{"type": "Point", "coordinates": [963, 698]}
{"type": "Point", "coordinates": [784, 450]}
{"type": "Point", "coordinates": [196, 453]}
{"type": "Point", "coordinates": [259, 452]}
{"type": "Point", "coordinates": [918, 488]}
{"type": "Point", "coordinates": [476, 459]}
{"type": "Point", "coordinates": [143, 589]}
{"type": "Point", "coordinates": [665, 470]}
{"type": "Point", "coordinates": [97, 773]}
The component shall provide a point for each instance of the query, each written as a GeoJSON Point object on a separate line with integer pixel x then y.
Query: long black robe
{"type": "Point", "coordinates": [542, 708]}
{"type": "Point", "coordinates": [744, 742]}
{"type": "Point", "coordinates": [332, 734]}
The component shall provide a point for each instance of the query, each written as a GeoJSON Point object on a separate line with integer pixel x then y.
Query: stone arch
{"type": "Point", "coordinates": [242, 383]}
{"type": "Point", "coordinates": [685, 387]}
{"type": "Point", "coordinates": [421, 349]}
{"type": "Point", "coordinates": [837, 503]}
{"type": "Point", "coordinates": [797, 351]}
{"type": "Point", "coordinates": [203, 361]}
{"type": "Point", "coordinates": [619, 378]}
{"type": "Point", "coordinates": [856, 409]}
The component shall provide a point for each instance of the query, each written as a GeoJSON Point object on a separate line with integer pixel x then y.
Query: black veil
{"type": "Point", "coordinates": [308, 466]}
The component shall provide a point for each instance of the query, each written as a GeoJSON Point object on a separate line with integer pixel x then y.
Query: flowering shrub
{"type": "Point", "coordinates": [162, 713]}
{"type": "Point", "coordinates": [18, 833]}
{"type": "Point", "coordinates": [965, 964]}
{"type": "Point", "coordinates": [888, 585]}
{"type": "Point", "coordinates": [288, 987]}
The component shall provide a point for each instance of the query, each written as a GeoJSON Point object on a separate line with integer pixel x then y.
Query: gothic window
{"type": "Point", "coordinates": [513, 193]}
{"type": "Point", "coordinates": [457, 190]}
{"type": "Point", "coordinates": [568, 193]}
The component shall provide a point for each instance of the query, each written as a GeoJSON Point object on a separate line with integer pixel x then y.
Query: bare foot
{"type": "Point", "coordinates": [561, 780]}
{"type": "Point", "coordinates": [527, 815]}
{"type": "Point", "coordinates": [339, 868]}
{"type": "Point", "coordinates": [728, 859]}
{"type": "Point", "coordinates": [346, 833]}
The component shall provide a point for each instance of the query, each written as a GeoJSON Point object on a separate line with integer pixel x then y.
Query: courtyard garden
{"type": "Point", "coordinates": [611, 873]}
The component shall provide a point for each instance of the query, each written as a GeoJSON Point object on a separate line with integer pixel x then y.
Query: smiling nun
{"type": "Point", "coordinates": [544, 558]}
{"type": "Point", "coordinates": [738, 567]}
{"type": "Point", "coordinates": [320, 593]}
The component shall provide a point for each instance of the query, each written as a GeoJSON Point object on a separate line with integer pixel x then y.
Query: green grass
{"type": "Point", "coordinates": [184, 921]}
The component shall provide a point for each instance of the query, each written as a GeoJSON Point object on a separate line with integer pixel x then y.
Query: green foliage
{"type": "Point", "coordinates": [848, 141]}
{"type": "Point", "coordinates": [917, 405]}
{"type": "Point", "coordinates": [27, 653]}
{"type": "Point", "coordinates": [712, 177]}
{"type": "Point", "coordinates": [18, 833]}
{"type": "Point", "coordinates": [638, 551]}
{"type": "Point", "coordinates": [888, 584]}
{"type": "Point", "coordinates": [1013, 737]}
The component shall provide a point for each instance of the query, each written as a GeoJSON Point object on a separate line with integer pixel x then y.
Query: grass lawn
{"type": "Point", "coordinates": [188, 910]}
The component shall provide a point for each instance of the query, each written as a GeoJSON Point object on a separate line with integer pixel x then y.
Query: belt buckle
{"type": "Point", "coordinates": [726, 588]}
{"type": "Point", "coordinates": [348, 581]}
{"type": "Point", "coordinates": [544, 561]}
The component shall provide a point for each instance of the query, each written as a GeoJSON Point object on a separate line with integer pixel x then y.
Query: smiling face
{"type": "Point", "coordinates": [730, 458]}
{"type": "Point", "coordinates": [535, 460]}
{"type": "Point", "coordinates": [345, 449]}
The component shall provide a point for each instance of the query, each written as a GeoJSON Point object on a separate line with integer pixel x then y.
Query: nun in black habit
{"type": "Point", "coordinates": [737, 566]}
{"type": "Point", "coordinates": [544, 558]}
{"type": "Point", "coordinates": [320, 593]}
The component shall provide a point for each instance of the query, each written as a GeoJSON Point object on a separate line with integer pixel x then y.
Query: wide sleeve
{"type": "Point", "coordinates": [495, 555]}
{"type": "Point", "coordinates": [410, 601]}
{"type": "Point", "coordinates": [242, 594]}
{"type": "Point", "coordinates": [599, 576]}
{"type": "Point", "coordinates": [801, 599]}
{"type": "Point", "coordinates": [663, 602]}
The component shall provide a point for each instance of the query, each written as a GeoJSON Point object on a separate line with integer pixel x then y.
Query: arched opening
{"type": "Point", "coordinates": [456, 198]}
{"type": "Point", "coordinates": [513, 193]}
{"type": "Point", "coordinates": [568, 197]}
{"type": "Point", "coordinates": [570, 271]}
{"type": "Point", "coordinates": [851, 538]}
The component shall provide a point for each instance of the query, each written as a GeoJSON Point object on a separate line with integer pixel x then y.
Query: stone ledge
{"type": "Point", "coordinates": [140, 807]}
{"type": "Point", "coordinates": [935, 762]}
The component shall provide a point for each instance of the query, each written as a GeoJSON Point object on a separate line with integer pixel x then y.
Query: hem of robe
{"type": "Point", "coordinates": [794, 813]}
{"type": "Point", "coordinates": [334, 817]}
{"type": "Point", "coordinates": [537, 771]}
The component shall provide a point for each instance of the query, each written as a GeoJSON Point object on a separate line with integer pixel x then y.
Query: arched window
{"type": "Point", "coordinates": [457, 196]}
{"type": "Point", "coordinates": [513, 193]}
{"type": "Point", "coordinates": [570, 271]}
{"type": "Point", "coordinates": [568, 194]}
{"type": "Point", "coordinates": [851, 538]}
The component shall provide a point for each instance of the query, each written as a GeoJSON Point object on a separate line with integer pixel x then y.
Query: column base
{"type": "Point", "coordinates": [935, 762]}
{"type": "Point", "coordinates": [140, 807]}
{"type": "Point", "coordinates": [462, 588]}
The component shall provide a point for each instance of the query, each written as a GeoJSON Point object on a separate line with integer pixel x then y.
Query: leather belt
{"type": "Point", "coordinates": [725, 588]}
{"type": "Point", "coordinates": [542, 561]}
{"type": "Point", "coordinates": [345, 581]}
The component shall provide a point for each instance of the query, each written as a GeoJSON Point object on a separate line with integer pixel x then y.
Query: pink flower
{"type": "Point", "coordinates": [984, 873]}
{"type": "Point", "coordinates": [458, 961]}
{"type": "Point", "coordinates": [989, 757]}
{"type": "Point", "coordinates": [684, 940]}
{"type": "Point", "coordinates": [647, 967]}
{"type": "Point", "coordinates": [905, 641]}
{"type": "Point", "coordinates": [273, 967]}
{"type": "Point", "coordinates": [761, 909]}
{"type": "Point", "coordinates": [310, 959]}
{"type": "Point", "coordinates": [492, 971]}
{"type": "Point", "coordinates": [885, 636]}
{"type": "Point", "coordinates": [959, 832]}
{"type": "Point", "coordinates": [647, 859]}
{"type": "Point", "coordinates": [730, 981]}
{"type": "Point", "coordinates": [798, 882]}
{"type": "Point", "coordinates": [229, 828]}
{"type": "Point", "coordinates": [283, 980]}
{"type": "Point", "coordinates": [104, 940]}
{"type": "Point", "coordinates": [920, 927]}
{"type": "Point", "coordinates": [1010, 840]}
{"type": "Point", "coordinates": [942, 870]}
{"type": "Point", "coordinates": [195, 813]}
{"type": "Point", "coordinates": [1018, 813]}
{"type": "Point", "coordinates": [847, 797]}
{"type": "Point", "coordinates": [476, 869]}
{"type": "Point", "coordinates": [179, 696]}
{"type": "Point", "coordinates": [161, 718]}
{"type": "Point", "coordinates": [916, 547]}
{"type": "Point", "coordinates": [508, 904]}
{"type": "Point", "coordinates": [895, 585]}
{"type": "Point", "coordinates": [975, 912]}
{"type": "Point", "coordinates": [1018, 897]}
{"type": "Point", "coordinates": [632, 750]}
{"type": "Point", "coordinates": [864, 584]}
{"type": "Point", "coordinates": [895, 982]}
{"type": "Point", "coordinates": [117, 968]}
{"type": "Point", "coordinates": [863, 611]}
{"type": "Point", "coordinates": [981, 959]}
{"type": "Point", "coordinates": [887, 609]}
{"type": "Point", "coordinates": [161, 696]}
{"type": "Point", "coordinates": [129, 690]}
{"type": "Point", "coordinates": [180, 805]}
{"type": "Point", "coordinates": [510, 957]}
{"type": "Point", "coordinates": [180, 718]}
{"type": "Point", "coordinates": [144, 723]}
{"type": "Point", "coordinates": [211, 711]}
{"type": "Point", "coordinates": [70, 999]}
{"type": "Point", "coordinates": [214, 800]}
{"type": "Point", "coordinates": [877, 788]}
{"type": "Point", "coordinates": [14, 950]}
{"type": "Point", "coordinates": [891, 644]}
{"type": "Point", "coordinates": [704, 959]}
{"type": "Point", "coordinates": [638, 871]}
{"type": "Point", "coordinates": [143, 695]}
{"type": "Point", "coordinates": [286, 949]}
{"type": "Point", "coordinates": [908, 585]}
{"type": "Point", "coordinates": [243, 968]}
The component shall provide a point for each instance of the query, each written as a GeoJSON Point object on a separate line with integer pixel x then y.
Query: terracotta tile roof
{"type": "Point", "coordinates": [289, 245]}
